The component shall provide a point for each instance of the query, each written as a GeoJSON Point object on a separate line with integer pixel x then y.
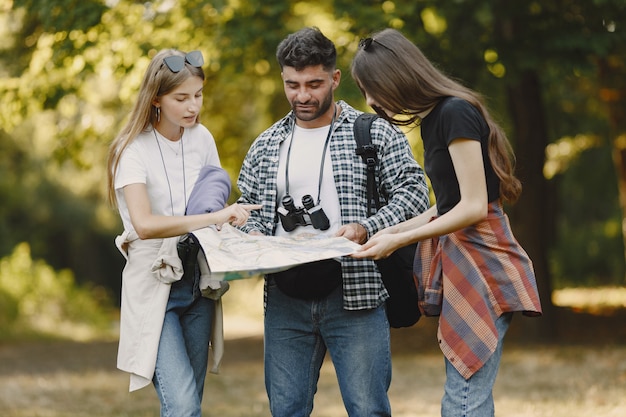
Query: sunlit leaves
{"type": "Point", "coordinates": [493, 65]}
{"type": "Point", "coordinates": [433, 23]}
{"type": "Point", "coordinates": [560, 153]}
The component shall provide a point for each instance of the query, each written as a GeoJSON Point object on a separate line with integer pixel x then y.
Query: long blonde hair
{"type": "Point", "coordinates": [395, 72]}
{"type": "Point", "coordinates": [157, 81]}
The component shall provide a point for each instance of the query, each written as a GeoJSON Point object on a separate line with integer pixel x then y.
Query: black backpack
{"type": "Point", "coordinates": [397, 269]}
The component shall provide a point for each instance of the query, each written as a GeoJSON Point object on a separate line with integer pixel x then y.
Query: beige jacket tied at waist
{"type": "Point", "coordinates": [152, 265]}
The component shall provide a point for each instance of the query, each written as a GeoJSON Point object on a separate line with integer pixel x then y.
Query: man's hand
{"type": "Point", "coordinates": [353, 231]}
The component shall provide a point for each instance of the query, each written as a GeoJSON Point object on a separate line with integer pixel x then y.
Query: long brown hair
{"type": "Point", "coordinates": [395, 72]}
{"type": "Point", "coordinates": [157, 81]}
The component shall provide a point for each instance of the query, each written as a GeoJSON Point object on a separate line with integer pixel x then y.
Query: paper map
{"type": "Point", "coordinates": [233, 254]}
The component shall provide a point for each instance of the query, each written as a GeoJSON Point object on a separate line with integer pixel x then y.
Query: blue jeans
{"type": "Point", "coordinates": [183, 349]}
{"type": "Point", "coordinates": [297, 335]}
{"type": "Point", "coordinates": [474, 397]}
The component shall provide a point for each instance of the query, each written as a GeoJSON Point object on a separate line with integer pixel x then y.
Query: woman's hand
{"type": "Point", "coordinates": [235, 214]}
{"type": "Point", "coordinates": [380, 246]}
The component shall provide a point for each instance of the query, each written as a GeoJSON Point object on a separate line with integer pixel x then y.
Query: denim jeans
{"type": "Point", "coordinates": [297, 335]}
{"type": "Point", "coordinates": [474, 397]}
{"type": "Point", "coordinates": [183, 349]}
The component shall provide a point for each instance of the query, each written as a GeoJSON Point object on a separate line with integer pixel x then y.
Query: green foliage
{"type": "Point", "coordinates": [59, 15]}
{"type": "Point", "coordinates": [35, 299]}
{"type": "Point", "coordinates": [71, 70]}
{"type": "Point", "coordinates": [588, 246]}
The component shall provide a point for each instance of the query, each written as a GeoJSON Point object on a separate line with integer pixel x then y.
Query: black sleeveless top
{"type": "Point", "coordinates": [453, 118]}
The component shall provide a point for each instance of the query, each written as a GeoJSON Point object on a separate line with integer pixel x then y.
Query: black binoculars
{"type": "Point", "coordinates": [309, 215]}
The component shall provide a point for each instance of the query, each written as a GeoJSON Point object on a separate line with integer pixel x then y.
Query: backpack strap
{"type": "Point", "coordinates": [367, 151]}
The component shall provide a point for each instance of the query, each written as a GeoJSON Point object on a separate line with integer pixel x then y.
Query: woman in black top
{"type": "Point", "coordinates": [470, 269]}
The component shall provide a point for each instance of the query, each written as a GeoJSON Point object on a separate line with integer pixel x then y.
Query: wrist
{"type": "Point", "coordinates": [361, 233]}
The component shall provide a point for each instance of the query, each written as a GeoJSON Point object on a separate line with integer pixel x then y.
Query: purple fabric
{"type": "Point", "coordinates": [211, 191]}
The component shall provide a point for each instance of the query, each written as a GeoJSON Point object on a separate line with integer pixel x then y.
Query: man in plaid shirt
{"type": "Point", "coordinates": [334, 305]}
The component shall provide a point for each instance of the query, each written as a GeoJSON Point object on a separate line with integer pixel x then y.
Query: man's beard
{"type": "Point", "coordinates": [321, 109]}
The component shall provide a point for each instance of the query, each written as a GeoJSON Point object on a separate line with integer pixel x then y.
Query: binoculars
{"type": "Point", "coordinates": [308, 215]}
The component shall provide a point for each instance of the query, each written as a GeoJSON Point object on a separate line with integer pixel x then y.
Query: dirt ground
{"type": "Point", "coordinates": [584, 374]}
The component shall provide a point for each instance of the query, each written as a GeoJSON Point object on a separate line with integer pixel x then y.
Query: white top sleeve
{"type": "Point", "coordinates": [168, 177]}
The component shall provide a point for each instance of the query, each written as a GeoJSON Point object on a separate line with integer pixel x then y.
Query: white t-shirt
{"type": "Point", "coordinates": [304, 172]}
{"type": "Point", "coordinates": [152, 161]}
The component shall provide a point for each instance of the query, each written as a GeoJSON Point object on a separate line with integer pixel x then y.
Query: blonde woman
{"type": "Point", "coordinates": [471, 270]}
{"type": "Point", "coordinates": [153, 165]}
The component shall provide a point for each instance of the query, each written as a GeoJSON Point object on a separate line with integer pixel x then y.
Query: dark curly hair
{"type": "Point", "coordinates": [305, 48]}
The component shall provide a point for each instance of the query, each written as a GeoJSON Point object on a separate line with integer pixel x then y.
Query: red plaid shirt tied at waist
{"type": "Point", "coordinates": [470, 278]}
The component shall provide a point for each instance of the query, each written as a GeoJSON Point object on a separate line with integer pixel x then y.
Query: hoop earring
{"type": "Point", "coordinates": [158, 114]}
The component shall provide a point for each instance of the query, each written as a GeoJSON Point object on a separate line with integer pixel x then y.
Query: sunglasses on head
{"type": "Point", "coordinates": [366, 44]}
{"type": "Point", "coordinates": [176, 63]}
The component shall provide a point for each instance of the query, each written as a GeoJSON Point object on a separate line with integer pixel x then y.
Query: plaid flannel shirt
{"type": "Point", "coordinates": [400, 179]}
{"type": "Point", "coordinates": [470, 277]}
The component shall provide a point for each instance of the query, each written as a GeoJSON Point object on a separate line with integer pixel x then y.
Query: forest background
{"type": "Point", "coordinates": [553, 73]}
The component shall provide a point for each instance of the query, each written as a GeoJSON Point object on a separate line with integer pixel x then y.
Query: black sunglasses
{"type": "Point", "coordinates": [176, 63]}
{"type": "Point", "coordinates": [366, 43]}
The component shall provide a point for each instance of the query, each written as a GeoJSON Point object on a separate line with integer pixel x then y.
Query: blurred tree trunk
{"type": "Point", "coordinates": [532, 219]}
{"type": "Point", "coordinates": [612, 75]}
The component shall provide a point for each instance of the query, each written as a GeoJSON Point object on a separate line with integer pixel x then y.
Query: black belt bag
{"type": "Point", "coordinates": [309, 281]}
